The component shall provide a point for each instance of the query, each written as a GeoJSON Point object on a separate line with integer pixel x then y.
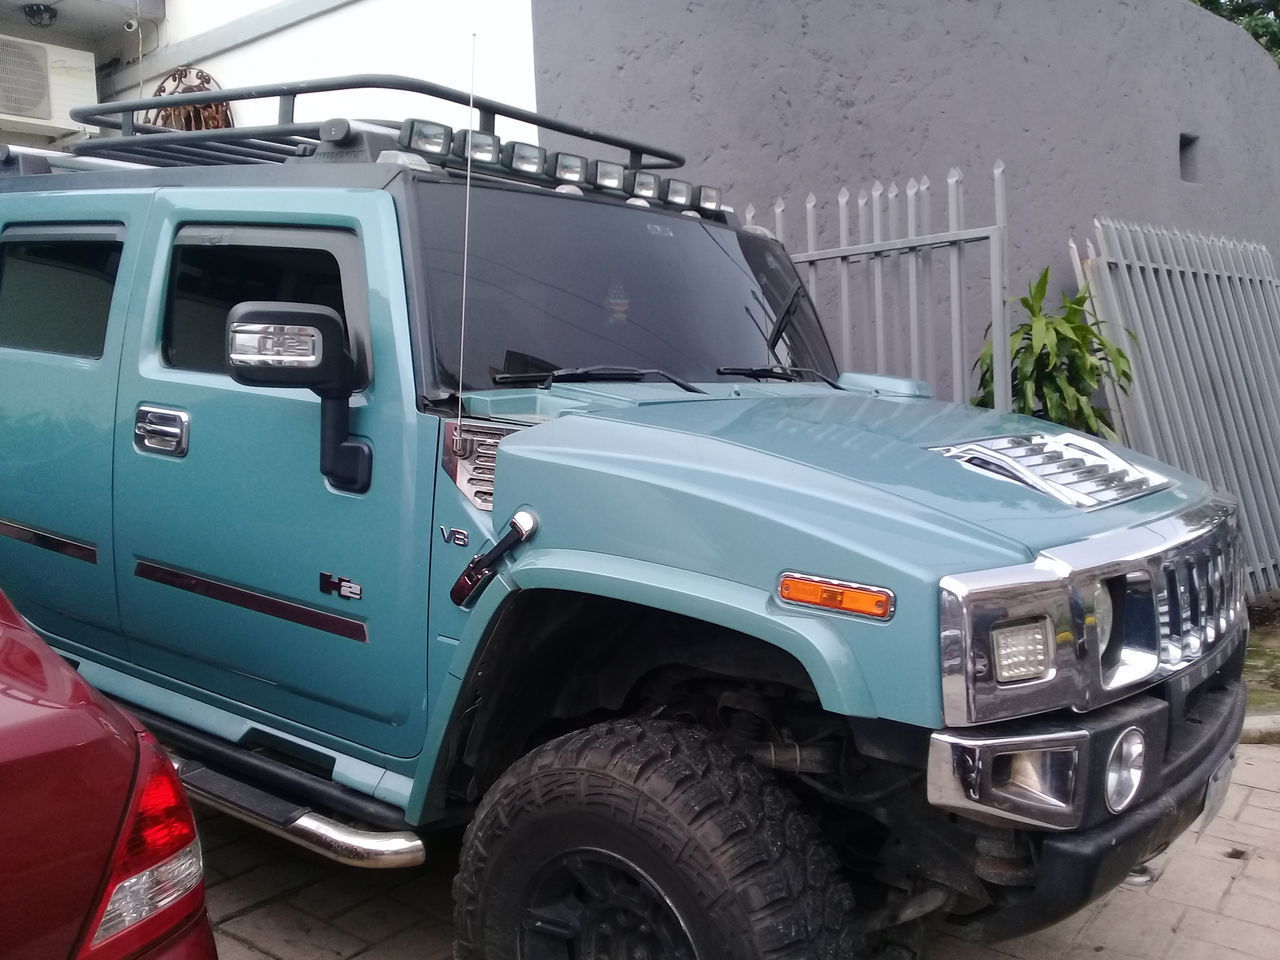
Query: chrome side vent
{"type": "Point", "coordinates": [471, 457]}
{"type": "Point", "coordinates": [1075, 470]}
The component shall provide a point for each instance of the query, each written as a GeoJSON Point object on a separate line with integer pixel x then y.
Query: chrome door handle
{"type": "Point", "coordinates": [163, 431]}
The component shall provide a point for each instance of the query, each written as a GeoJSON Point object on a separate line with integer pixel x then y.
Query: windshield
{"type": "Point", "coordinates": [558, 282]}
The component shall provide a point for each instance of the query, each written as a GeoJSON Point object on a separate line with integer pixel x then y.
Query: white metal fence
{"type": "Point", "coordinates": [1204, 314]}
{"type": "Point", "coordinates": [902, 290]}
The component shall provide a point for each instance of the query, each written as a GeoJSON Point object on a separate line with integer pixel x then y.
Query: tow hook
{"type": "Point", "coordinates": [480, 570]}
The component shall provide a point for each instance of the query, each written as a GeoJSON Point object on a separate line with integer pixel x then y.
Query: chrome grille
{"type": "Point", "coordinates": [1075, 470]}
{"type": "Point", "coordinates": [471, 458]}
{"type": "Point", "coordinates": [1197, 599]}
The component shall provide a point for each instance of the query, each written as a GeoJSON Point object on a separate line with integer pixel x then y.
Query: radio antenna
{"type": "Point", "coordinates": [466, 247]}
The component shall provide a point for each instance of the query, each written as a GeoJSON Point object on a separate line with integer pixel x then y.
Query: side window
{"type": "Point", "coordinates": [206, 281]}
{"type": "Point", "coordinates": [55, 293]}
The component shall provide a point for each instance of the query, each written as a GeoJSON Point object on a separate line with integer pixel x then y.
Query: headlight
{"type": "Point", "coordinates": [1103, 615]}
{"type": "Point", "coordinates": [1023, 650]}
{"type": "Point", "coordinates": [1124, 769]}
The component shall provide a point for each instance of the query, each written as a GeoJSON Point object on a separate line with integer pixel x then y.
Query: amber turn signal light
{"type": "Point", "coordinates": [875, 602]}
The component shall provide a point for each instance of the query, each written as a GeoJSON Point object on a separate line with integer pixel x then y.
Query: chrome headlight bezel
{"type": "Point", "coordinates": [1178, 580]}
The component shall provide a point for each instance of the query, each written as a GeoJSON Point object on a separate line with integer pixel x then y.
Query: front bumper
{"type": "Point", "coordinates": [1196, 728]}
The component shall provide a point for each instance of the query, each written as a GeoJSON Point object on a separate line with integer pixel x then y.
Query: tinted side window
{"type": "Point", "coordinates": [207, 281]}
{"type": "Point", "coordinates": [55, 295]}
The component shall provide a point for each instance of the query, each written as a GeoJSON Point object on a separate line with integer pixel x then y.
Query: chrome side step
{"type": "Point", "coordinates": [354, 846]}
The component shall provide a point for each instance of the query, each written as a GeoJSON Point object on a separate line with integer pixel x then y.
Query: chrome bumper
{"type": "Point", "coordinates": [1044, 772]}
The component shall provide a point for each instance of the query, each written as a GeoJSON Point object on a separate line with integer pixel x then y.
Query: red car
{"type": "Point", "coordinates": [99, 858]}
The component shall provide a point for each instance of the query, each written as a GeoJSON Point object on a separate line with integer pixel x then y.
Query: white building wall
{"type": "Point", "coordinates": [426, 39]}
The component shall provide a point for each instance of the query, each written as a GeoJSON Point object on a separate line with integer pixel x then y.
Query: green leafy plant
{"type": "Point", "coordinates": [1059, 360]}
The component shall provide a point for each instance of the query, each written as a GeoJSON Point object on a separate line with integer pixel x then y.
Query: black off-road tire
{"type": "Point", "coordinates": [720, 840]}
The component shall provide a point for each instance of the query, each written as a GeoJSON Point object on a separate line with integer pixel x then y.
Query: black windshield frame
{"type": "Point", "coordinates": [576, 242]}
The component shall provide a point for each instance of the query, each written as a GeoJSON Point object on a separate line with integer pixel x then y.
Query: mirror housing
{"type": "Point", "coordinates": [273, 344]}
{"type": "Point", "coordinates": [278, 344]}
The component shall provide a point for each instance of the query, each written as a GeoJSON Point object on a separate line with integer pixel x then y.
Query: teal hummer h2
{"type": "Point", "coordinates": [719, 651]}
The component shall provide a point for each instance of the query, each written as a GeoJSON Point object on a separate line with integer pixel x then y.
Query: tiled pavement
{"type": "Point", "coordinates": [1217, 898]}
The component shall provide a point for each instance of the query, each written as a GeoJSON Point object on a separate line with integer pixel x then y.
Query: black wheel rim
{"type": "Point", "coordinates": [595, 905]}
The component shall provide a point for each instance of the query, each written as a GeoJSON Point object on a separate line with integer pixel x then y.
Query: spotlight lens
{"type": "Point", "coordinates": [677, 192]}
{"type": "Point", "coordinates": [1124, 769]}
{"type": "Point", "coordinates": [568, 167]}
{"type": "Point", "coordinates": [523, 157]}
{"type": "Point", "coordinates": [642, 183]}
{"type": "Point", "coordinates": [484, 147]}
{"type": "Point", "coordinates": [606, 175]}
{"type": "Point", "coordinates": [427, 137]}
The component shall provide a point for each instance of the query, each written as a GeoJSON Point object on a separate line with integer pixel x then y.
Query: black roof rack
{"type": "Point", "coordinates": [289, 139]}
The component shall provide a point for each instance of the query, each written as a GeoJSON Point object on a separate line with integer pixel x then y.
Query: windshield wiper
{"type": "Point", "coordinates": [585, 374]}
{"type": "Point", "coordinates": [789, 374]}
{"type": "Point", "coordinates": [784, 318]}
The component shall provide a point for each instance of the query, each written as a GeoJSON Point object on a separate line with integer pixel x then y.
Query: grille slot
{"type": "Point", "coordinates": [471, 458]}
{"type": "Point", "coordinates": [1074, 470]}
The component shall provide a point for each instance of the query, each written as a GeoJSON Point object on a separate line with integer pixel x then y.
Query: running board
{"type": "Point", "coordinates": [354, 846]}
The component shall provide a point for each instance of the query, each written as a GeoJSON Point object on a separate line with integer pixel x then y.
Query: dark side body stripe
{"type": "Point", "coordinates": [49, 541]}
{"type": "Point", "coordinates": [259, 603]}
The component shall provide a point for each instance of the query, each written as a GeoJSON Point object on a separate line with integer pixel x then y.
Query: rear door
{"type": "Point", "coordinates": [242, 573]}
{"type": "Point", "coordinates": [65, 265]}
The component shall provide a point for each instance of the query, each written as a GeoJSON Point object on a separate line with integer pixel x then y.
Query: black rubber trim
{"type": "Point", "coordinates": [76, 549]}
{"type": "Point", "coordinates": [257, 602]}
{"type": "Point", "coordinates": [271, 775]}
{"type": "Point", "coordinates": [1076, 868]}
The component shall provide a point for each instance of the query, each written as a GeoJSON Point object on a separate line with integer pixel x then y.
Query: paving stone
{"type": "Point", "coordinates": [1210, 847]}
{"type": "Point", "coordinates": [1258, 772]}
{"type": "Point", "coordinates": [1259, 891]}
{"type": "Point", "coordinates": [1266, 799]}
{"type": "Point", "coordinates": [267, 882]}
{"type": "Point", "coordinates": [943, 947]}
{"type": "Point", "coordinates": [1252, 939]}
{"type": "Point", "coordinates": [1051, 943]}
{"type": "Point", "coordinates": [1237, 796]}
{"type": "Point", "coordinates": [426, 941]}
{"type": "Point", "coordinates": [1256, 909]}
{"type": "Point", "coordinates": [1195, 881]}
{"type": "Point", "coordinates": [344, 889]}
{"type": "Point", "coordinates": [1184, 948]}
{"type": "Point", "coordinates": [1241, 834]}
{"type": "Point", "coordinates": [1261, 817]}
{"type": "Point", "coordinates": [1264, 866]}
{"type": "Point", "coordinates": [1082, 952]}
{"type": "Point", "coordinates": [229, 948]}
{"type": "Point", "coordinates": [241, 856]}
{"type": "Point", "coordinates": [1132, 923]}
{"type": "Point", "coordinates": [290, 934]}
{"type": "Point", "coordinates": [379, 918]}
{"type": "Point", "coordinates": [218, 829]}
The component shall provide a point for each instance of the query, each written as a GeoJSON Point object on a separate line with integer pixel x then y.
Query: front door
{"type": "Point", "coordinates": [243, 575]}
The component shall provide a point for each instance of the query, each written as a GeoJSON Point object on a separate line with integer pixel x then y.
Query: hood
{"type": "Point", "coordinates": [884, 442]}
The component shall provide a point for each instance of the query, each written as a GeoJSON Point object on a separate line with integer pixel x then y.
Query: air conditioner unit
{"type": "Point", "coordinates": [40, 83]}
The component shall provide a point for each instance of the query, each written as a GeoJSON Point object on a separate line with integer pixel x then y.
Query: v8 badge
{"type": "Point", "coordinates": [347, 589]}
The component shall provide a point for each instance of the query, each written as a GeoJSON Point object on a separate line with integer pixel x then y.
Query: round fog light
{"type": "Point", "coordinates": [1124, 769]}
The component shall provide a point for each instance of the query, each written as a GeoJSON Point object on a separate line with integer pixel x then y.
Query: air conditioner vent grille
{"type": "Point", "coordinates": [24, 79]}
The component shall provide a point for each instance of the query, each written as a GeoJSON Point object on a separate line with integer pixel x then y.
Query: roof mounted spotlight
{"type": "Point", "coordinates": [423, 136]}
{"type": "Point", "coordinates": [606, 175]}
{"type": "Point", "coordinates": [40, 14]}
{"type": "Point", "coordinates": [642, 183]}
{"type": "Point", "coordinates": [523, 157]}
{"type": "Point", "coordinates": [678, 193]}
{"type": "Point", "coordinates": [708, 198]}
{"type": "Point", "coordinates": [484, 147]}
{"type": "Point", "coordinates": [568, 167]}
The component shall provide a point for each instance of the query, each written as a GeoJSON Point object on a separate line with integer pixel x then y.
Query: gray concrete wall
{"type": "Point", "coordinates": [1084, 100]}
